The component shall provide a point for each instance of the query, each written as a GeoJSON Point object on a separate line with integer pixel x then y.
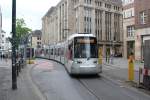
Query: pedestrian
{"type": "Point", "coordinates": [111, 56]}
{"type": "Point", "coordinates": [107, 56]}
{"type": "Point", "coordinates": [6, 57]}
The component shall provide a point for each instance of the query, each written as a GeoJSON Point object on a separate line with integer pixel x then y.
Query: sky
{"type": "Point", "coordinates": [31, 11]}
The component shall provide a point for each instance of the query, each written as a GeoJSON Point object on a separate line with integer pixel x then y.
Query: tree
{"type": "Point", "coordinates": [21, 31]}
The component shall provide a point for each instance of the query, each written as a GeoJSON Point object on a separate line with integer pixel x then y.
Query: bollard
{"type": "Point", "coordinates": [131, 69]}
{"type": "Point", "coordinates": [100, 55]}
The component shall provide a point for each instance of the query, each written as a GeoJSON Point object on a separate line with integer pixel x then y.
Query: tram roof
{"type": "Point", "coordinates": [80, 34]}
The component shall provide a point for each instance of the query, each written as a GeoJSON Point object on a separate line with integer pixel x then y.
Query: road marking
{"type": "Point", "coordinates": [108, 67]}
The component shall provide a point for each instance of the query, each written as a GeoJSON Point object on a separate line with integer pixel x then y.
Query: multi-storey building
{"type": "Point", "coordinates": [36, 39]}
{"type": "Point", "coordinates": [142, 26]}
{"type": "Point", "coordinates": [136, 26]}
{"type": "Point", "coordinates": [100, 17]}
{"type": "Point", "coordinates": [4, 43]}
{"type": "Point", "coordinates": [0, 20]}
{"type": "Point", "coordinates": [129, 27]}
{"type": "Point", "coordinates": [1, 34]}
{"type": "Point", "coordinates": [47, 30]}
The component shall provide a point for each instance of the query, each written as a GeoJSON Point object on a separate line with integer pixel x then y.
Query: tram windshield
{"type": "Point", "coordinates": [85, 47]}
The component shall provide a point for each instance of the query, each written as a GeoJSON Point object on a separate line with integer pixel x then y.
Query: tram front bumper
{"type": "Point", "coordinates": [86, 69]}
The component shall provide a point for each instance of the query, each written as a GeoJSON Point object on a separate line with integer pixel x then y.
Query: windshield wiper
{"type": "Point", "coordinates": [88, 58]}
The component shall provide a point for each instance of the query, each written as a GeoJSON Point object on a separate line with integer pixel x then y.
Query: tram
{"type": "Point", "coordinates": [79, 54]}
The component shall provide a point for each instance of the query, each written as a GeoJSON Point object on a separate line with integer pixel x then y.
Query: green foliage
{"type": "Point", "coordinates": [21, 31]}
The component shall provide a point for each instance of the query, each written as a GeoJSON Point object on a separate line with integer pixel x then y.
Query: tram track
{"type": "Point", "coordinates": [88, 89]}
{"type": "Point", "coordinates": [102, 88]}
{"type": "Point", "coordinates": [101, 78]}
{"type": "Point", "coordinates": [86, 83]}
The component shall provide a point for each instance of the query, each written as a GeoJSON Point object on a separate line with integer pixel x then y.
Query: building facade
{"type": "Point", "coordinates": [36, 39]}
{"type": "Point", "coordinates": [2, 43]}
{"type": "Point", "coordinates": [129, 27]}
{"type": "Point", "coordinates": [142, 26]}
{"type": "Point", "coordinates": [5, 45]}
{"type": "Point", "coordinates": [136, 24]}
{"type": "Point", "coordinates": [103, 18]}
{"type": "Point", "coordinates": [0, 20]}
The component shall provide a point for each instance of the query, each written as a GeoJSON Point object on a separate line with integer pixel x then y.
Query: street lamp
{"type": "Point", "coordinates": [14, 75]}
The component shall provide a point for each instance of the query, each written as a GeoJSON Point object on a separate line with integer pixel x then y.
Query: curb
{"type": "Point", "coordinates": [34, 85]}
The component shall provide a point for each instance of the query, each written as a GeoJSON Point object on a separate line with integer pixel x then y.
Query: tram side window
{"type": "Point", "coordinates": [51, 51]}
{"type": "Point", "coordinates": [59, 51]}
{"type": "Point", "coordinates": [46, 51]}
{"type": "Point", "coordinates": [70, 48]}
{"type": "Point", "coordinates": [77, 50]}
{"type": "Point", "coordinates": [62, 51]}
{"type": "Point", "coordinates": [54, 51]}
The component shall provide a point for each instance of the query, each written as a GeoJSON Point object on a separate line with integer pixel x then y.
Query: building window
{"type": "Point", "coordinates": [143, 17]}
{"type": "Point", "coordinates": [2, 35]}
{"type": "Point", "coordinates": [38, 38]}
{"type": "Point", "coordinates": [98, 24]}
{"type": "Point", "coordinates": [98, 3]}
{"type": "Point", "coordinates": [117, 33]}
{"type": "Point", "coordinates": [128, 13]}
{"type": "Point", "coordinates": [76, 2]}
{"type": "Point", "coordinates": [130, 31]}
{"type": "Point", "coordinates": [125, 2]}
{"type": "Point", "coordinates": [116, 8]}
{"type": "Point", "coordinates": [38, 43]}
{"type": "Point", "coordinates": [108, 26]}
{"type": "Point", "coordinates": [107, 6]}
{"type": "Point", "coordinates": [88, 1]}
{"type": "Point", "coordinates": [87, 20]}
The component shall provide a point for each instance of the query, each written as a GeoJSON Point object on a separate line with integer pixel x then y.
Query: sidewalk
{"type": "Point", "coordinates": [4, 79]}
{"type": "Point", "coordinates": [123, 63]}
{"type": "Point", "coordinates": [120, 66]}
{"type": "Point", "coordinates": [26, 88]}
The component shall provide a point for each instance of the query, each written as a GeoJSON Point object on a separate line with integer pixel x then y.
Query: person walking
{"type": "Point", "coordinates": [111, 56]}
{"type": "Point", "coordinates": [6, 57]}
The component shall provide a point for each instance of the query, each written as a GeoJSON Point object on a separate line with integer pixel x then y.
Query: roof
{"type": "Point", "coordinates": [36, 33]}
{"type": "Point", "coordinates": [49, 12]}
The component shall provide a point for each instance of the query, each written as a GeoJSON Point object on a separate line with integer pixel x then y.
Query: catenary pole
{"type": "Point", "coordinates": [14, 75]}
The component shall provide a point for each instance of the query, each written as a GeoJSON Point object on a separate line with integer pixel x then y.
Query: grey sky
{"type": "Point", "coordinates": [31, 10]}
